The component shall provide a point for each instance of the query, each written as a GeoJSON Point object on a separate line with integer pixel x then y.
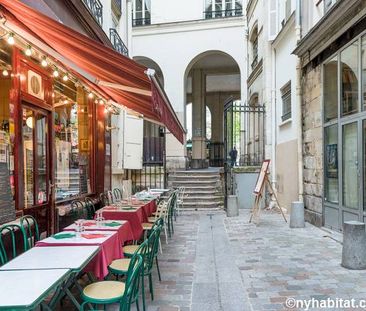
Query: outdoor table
{"type": "Point", "coordinates": [110, 248]}
{"type": "Point", "coordinates": [26, 289]}
{"type": "Point", "coordinates": [124, 229]}
{"type": "Point", "coordinates": [67, 257]}
{"type": "Point", "coordinates": [148, 206]}
{"type": "Point", "coordinates": [135, 216]}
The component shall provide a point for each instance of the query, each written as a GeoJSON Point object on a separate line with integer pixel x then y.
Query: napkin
{"type": "Point", "coordinates": [112, 224]}
{"type": "Point", "coordinates": [128, 208]}
{"type": "Point", "coordinates": [63, 236]}
{"type": "Point", "coordinates": [88, 224]}
{"type": "Point", "coordinates": [93, 235]}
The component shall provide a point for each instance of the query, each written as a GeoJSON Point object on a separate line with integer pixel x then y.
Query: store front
{"type": "Point", "coordinates": [344, 99]}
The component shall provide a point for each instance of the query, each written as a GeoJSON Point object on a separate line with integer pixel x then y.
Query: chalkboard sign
{"type": "Point", "coordinates": [261, 177]}
{"type": "Point", "coordinates": [7, 209]}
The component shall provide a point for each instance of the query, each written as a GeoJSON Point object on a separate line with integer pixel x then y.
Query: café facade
{"type": "Point", "coordinates": [58, 90]}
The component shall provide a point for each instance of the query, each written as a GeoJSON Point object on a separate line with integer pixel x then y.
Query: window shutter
{"type": "Point", "coordinates": [272, 17]}
{"type": "Point", "coordinates": [133, 142]}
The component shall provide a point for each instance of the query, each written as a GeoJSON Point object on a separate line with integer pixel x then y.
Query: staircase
{"type": "Point", "coordinates": [203, 188]}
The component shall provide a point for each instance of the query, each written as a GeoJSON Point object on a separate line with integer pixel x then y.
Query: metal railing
{"type": "Point", "coordinates": [96, 9]}
{"type": "Point", "coordinates": [223, 13]}
{"type": "Point", "coordinates": [216, 154]}
{"type": "Point", "coordinates": [141, 21]}
{"type": "Point", "coordinates": [117, 42]}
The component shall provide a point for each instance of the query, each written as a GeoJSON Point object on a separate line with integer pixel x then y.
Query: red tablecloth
{"type": "Point", "coordinates": [110, 249]}
{"type": "Point", "coordinates": [124, 231]}
{"type": "Point", "coordinates": [134, 217]}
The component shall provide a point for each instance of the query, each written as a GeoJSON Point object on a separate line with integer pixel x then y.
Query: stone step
{"type": "Point", "coordinates": [202, 205]}
{"type": "Point", "coordinates": [217, 200]}
{"type": "Point", "coordinates": [194, 182]}
{"type": "Point", "coordinates": [205, 194]}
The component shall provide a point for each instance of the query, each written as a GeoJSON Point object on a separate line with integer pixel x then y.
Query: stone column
{"type": "Point", "coordinates": [198, 120]}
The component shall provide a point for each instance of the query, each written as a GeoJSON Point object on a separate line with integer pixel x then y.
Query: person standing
{"type": "Point", "coordinates": [233, 155]}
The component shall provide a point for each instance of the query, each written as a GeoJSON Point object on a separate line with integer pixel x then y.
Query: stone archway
{"type": "Point", "coordinates": [148, 62]}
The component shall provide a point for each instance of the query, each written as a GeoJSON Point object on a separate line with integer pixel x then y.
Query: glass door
{"type": "Point", "coordinates": [36, 156]}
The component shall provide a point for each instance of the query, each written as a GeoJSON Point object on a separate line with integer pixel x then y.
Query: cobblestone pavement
{"type": "Point", "coordinates": [226, 264]}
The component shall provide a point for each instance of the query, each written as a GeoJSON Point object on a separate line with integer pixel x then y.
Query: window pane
{"type": "Point", "coordinates": [331, 163]}
{"type": "Point", "coordinates": [350, 169]}
{"type": "Point", "coordinates": [41, 125]}
{"type": "Point", "coordinates": [349, 68]}
{"type": "Point", "coordinates": [363, 55]}
{"type": "Point", "coordinates": [330, 92]}
{"type": "Point", "coordinates": [72, 134]}
{"type": "Point", "coordinates": [28, 124]}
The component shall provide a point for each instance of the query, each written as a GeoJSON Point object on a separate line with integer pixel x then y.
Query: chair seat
{"type": "Point", "coordinates": [151, 219]}
{"type": "Point", "coordinates": [104, 290]}
{"type": "Point", "coordinates": [129, 250]}
{"type": "Point", "coordinates": [120, 264]}
{"type": "Point", "coordinates": [147, 225]}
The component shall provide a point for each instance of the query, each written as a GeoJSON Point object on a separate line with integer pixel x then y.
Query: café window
{"type": "Point", "coordinates": [153, 150]}
{"type": "Point", "coordinates": [7, 190]}
{"type": "Point", "coordinates": [72, 140]}
{"type": "Point", "coordinates": [330, 92]}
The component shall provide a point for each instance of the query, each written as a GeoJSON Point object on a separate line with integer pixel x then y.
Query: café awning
{"type": "Point", "coordinates": [125, 81]}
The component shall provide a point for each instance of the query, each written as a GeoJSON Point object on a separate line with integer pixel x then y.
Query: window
{"type": "Point", "coordinates": [288, 9]}
{"type": "Point", "coordinates": [72, 140]}
{"type": "Point", "coordinates": [223, 8]}
{"type": "Point", "coordinates": [331, 163]}
{"type": "Point", "coordinates": [141, 12]}
{"type": "Point", "coordinates": [254, 45]}
{"type": "Point", "coordinates": [286, 101]}
{"type": "Point", "coordinates": [330, 89]}
{"type": "Point", "coordinates": [363, 59]}
{"type": "Point", "coordinates": [328, 4]}
{"type": "Point", "coordinates": [153, 150]}
{"type": "Point", "coordinates": [349, 71]}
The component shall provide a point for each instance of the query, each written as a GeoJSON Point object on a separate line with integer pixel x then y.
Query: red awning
{"type": "Point", "coordinates": [121, 78]}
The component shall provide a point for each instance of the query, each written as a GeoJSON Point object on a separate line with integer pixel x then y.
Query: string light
{"type": "Point", "coordinates": [56, 73]}
{"type": "Point", "coordinates": [65, 77]}
{"type": "Point", "coordinates": [44, 62]}
{"type": "Point", "coordinates": [90, 95]}
{"type": "Point", "coordinates": [28, 51]}
{"type": "Point", "coordinates": [101, 102]}
{"type": "Point", "coordinates": [11, 39]}
{"type": "Point", "coordinates": [5, 73]}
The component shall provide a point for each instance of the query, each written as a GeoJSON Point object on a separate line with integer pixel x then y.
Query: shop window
{"type": "Point", "coordinates": [286, 101]}
{"type": "Point", "coordinates": [72, 140]}
{"type": "Point", "coordinates": [7, 190]}
{"type": "Point", "coordinates": [331, 163]}
{"type": "Point", "coordinates": [363, 55]}
{"type": "Point", "coordinates": [349, 72]}
{"type": "Point", "coordinates": [330, 91]}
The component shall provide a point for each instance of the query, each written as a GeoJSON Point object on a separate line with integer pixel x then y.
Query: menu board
{"type": "Point", "coordinates": [7, 208]}
{"type": "Point", "coordinates": [261, 177]}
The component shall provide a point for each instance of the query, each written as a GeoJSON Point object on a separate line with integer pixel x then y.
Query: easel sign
{"type": "Point", "coordinates": [262, 181]}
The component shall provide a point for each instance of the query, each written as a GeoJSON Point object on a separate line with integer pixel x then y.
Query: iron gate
{"type": "Point", "coordinates": [244, 128]}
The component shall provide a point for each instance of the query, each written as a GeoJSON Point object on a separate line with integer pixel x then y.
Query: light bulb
{"type": "Point", "coordinates": [11, 39]}
{"type": "Point", "coordinates": [105, 110]}
{"type": "Point", "coordinates": [101, 102]}
{"type": "Point", "coordinates": [65, 78]}
{"type": "Point", "coordinates": [28, 51]}
{"type": "Point", "coordinates": [44, 62]}
{"type": "Point", "coordinates": [56, 73]}
{"type": "Point", "coordinates": [5, 73]}
{"type": "Point", "coordinates": [90, 95]}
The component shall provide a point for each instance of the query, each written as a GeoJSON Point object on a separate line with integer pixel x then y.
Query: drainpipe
{"type": "Point", "coordinates": [274, 119]}
{"type": "Point", "coordinates": [299, 105]}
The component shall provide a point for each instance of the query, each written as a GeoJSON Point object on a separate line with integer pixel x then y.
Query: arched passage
{"type": "Point", "coordinates": [210, 79]}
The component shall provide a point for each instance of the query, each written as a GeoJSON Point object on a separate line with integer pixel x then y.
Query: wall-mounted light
{"type": "Point", "coordinates": [56, 73]}
{"type": "Point", "coordinates": [5, 73]}
{"type": "Point", "coordinates": [28, 51]}
{"type": "Point", "coordinates": [65, 77]}
{"type": "Point", "coordinates": [11, 39]}
{"type": "Point", "coordinates": [44, 61]}
{"type": "Point", "coordinates": [90, 95]}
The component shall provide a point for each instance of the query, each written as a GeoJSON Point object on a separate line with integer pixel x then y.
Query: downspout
{"type": "Point", "coordinates": [300, 167]}
{"type": "Point", "coordinates": [274, 119]}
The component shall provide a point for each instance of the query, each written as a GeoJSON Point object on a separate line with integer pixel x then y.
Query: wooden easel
{"type": "Point", "coordinates": [262, 182]}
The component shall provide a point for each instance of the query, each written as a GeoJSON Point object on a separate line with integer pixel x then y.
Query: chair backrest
{"type": "Point", "coordinates": [90, 207]}
{"type": "Point", "coordinates": [110, 196]}
{"type": "Point", "coordinates": [172, 202]}
{"type": "Point", "coordinates": [78, 210]}
{"type": "Point", "coordinates": [132, 282]}
{"type": "Point", "coordinates": [181, 191]}
{"type": "Point", "coordinates": [104, 199]}
{"type": "Point", "coordinates": [117, 194]}
{"type": "Point", "coordinates": [29, 227]}
{"type": "Point", "coordinates": [10, 232]}
{"type": "Point", "coordinates": [153, 244]}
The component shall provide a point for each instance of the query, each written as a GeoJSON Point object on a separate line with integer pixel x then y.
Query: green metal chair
{"type": "Point", "coordinates": [108, 292]}
{"type": "Point", "coordinates": [171, 211]}
{"type": "Point", "coordinates": [153, 244]}
{"type": "Point", "coordinates": [117, 194]}
{"type": "Point", "coordinates": [90, 207]}
{"type": "Point", "coordinates": [109, 194]}
{"type": "Point", "coordinates": [78, 210]}
{"type": "Point", "coordinates": [104, 200]}
{"type": "Point", "coordinates": [29, 227]}
{"type": "Point", "coordinates": [10, 231]}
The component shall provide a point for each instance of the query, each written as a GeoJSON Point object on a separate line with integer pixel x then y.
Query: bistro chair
{"type": "Point", "coordinates": [117, 194]}
{"type": "Point", "coordinates": [90, 207]}
{"type": "Point", "coordinates": [78, 210]}
{"type": "Point", "coordinates": [108, 292]}
{"type": "Point", "coordinates": [110, 196]}
{"type": "Point", "coordinates": [10, 231]}
{"type": "Point", "coordinates": [152, 252]}
{"type": "Point", "coordinates": [180, 199]}
{"type": "Point", "coordinates": [29, 228]}
{"type": "Point", "coordinates": [104, 200]}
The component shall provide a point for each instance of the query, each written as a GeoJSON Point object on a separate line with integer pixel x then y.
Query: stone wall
{"type": "Point", "coordinates": [313, 145]}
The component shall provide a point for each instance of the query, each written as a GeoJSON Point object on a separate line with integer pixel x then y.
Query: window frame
{"type": "Point", "coordinates": [286, 98]}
